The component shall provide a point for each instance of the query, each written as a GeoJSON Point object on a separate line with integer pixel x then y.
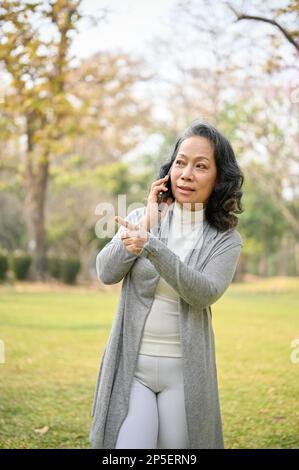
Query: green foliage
{"type": "Point", "coordinates": [113, 178]}
{"type": "Point", "coordinates": [64, 268]}
{"type": "Point", "coordinates": [261, 219]}
{"type": "Point", "coordinates": [12, 224]}
{"type": "Point", "coordinates": [3, 264]}
{"type": "Point", "coordinates": [69, 270]}
{"type": "Point", "coordinates": [20, 264]}
{"type": "Point", "coordinates": [53, 266]}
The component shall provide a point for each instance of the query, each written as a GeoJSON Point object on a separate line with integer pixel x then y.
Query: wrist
{"type": "Point", "coordinates": [144, 223]}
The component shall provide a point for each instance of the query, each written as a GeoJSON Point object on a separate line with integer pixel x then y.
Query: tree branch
{"type": "Point", "coordinates": [242, 16]}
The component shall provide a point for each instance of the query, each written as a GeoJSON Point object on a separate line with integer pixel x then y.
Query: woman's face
{"type": "Point", "coordinates": [194, 167]}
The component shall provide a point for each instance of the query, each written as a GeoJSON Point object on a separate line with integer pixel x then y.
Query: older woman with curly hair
{"type": "Point", "coordinates": [157, 385]}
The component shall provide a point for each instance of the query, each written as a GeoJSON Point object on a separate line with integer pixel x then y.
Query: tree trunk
{"type": "Point", "coordinates": [241, 268]}
{"type": "Point", "coordinates": [84, 259]}
{"type": "Point", "coordinates": [262, 266]}
{"type": "Point", "coordinates": [36, 186]}
{"type": "Point", "coordinates": [283, 257]}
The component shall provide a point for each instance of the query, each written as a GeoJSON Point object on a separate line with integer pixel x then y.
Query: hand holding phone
{"type": "Point", "coordinates": [159, 195]}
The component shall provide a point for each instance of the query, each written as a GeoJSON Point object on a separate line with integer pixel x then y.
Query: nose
{"type": "Point", "coordinates": [187, 172]}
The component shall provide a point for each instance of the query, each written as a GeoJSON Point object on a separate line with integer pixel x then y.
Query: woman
{"type": "Point", "coordinates": [157, 385]}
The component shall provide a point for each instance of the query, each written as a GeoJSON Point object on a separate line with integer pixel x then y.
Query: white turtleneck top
{"type": "Point", "coordinates": [161, 334]}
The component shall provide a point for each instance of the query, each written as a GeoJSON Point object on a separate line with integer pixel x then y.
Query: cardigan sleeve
{"type": "Point", "coordinates": [114, 260]}
{"type": "Point", "coordinates": [199, 289]}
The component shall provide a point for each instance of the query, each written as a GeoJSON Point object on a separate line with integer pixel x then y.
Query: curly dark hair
{"type": "Point", "coordinates": [227, 193]}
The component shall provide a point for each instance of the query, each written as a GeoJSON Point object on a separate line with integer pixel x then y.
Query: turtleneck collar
{"type": "Point", "coordinates": [186, 216]}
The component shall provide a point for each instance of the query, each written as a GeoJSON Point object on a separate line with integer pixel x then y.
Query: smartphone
{"type": "Point", "coordinates": [163, 195]}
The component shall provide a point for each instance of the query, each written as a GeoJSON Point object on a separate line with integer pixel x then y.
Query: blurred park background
{"type": "Point", "coordinates": [93, 95]}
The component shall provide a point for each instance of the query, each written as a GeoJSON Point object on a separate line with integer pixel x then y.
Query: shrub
{"type": "Point", "coordinates": [54, 266]}
{"type": "Point", "coordinates": [3, 264]}
{"type": "Point", "coordinates": [69, 269]}
{"type": "Point", "coordinates": [20, 264]}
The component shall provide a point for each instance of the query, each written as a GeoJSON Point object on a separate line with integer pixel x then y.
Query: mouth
{"type": "Point", "coordinates": [185, 189]}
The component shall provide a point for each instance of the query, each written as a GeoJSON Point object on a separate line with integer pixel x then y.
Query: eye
{"type": "Point", "coordinates": [179, 162]}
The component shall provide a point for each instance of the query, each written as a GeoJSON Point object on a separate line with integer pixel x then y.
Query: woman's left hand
{"type": "Point", "coordinates": [133, 236]}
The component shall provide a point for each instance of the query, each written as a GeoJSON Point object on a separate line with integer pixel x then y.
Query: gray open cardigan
{"type": "Point", "coordinates": [200, 280]}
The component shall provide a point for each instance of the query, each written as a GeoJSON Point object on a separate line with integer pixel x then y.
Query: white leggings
{"type": "Point", "coordinates": [156, 417]}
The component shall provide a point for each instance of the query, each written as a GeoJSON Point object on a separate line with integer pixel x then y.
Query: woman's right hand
{"type": "Point", "coordinates": [154, 210]}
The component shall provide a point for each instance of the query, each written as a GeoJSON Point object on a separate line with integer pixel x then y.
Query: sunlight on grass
{"type": "Point", "coordinates": [53, 347]}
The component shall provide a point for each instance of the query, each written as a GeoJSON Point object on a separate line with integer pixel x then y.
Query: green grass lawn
{"type": "Point", "coordinates": [53, 346]}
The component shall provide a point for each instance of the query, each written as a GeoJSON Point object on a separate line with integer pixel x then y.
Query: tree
{"type": "Point", "coordinates": [56, 104]}
{"type": "Point", "coordinates": [37, 69]}
{"type": "Point", "coordinates": [291, 35]}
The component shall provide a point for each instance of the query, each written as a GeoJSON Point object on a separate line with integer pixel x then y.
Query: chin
{"type": "Point", "coordinates": [184, 197]}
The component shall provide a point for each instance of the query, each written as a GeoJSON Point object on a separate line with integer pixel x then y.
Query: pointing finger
{"type": "Point", "coordinates": [125, 223]}
{"type": "Point", "coordinates": [121, 221]}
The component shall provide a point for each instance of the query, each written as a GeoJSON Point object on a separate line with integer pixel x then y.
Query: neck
{"type": "Point", "coordinates": [184, 212]}
{"type": "Point", "coordinates": [191, 206]}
